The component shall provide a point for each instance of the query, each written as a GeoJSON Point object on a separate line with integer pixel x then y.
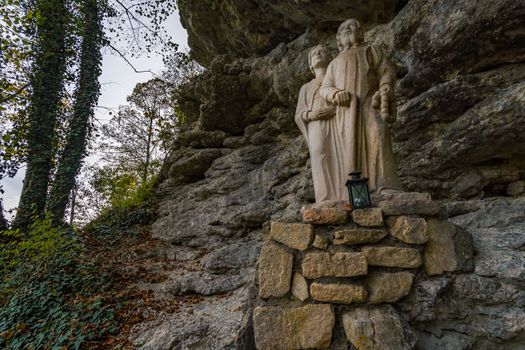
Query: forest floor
{"type": "Point", "coordinates": [134, 262]}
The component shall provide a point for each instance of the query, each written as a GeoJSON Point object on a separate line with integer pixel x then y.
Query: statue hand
{"type": "Point", "coordinates": [342, 98]}
{"type": "Point", "coordinates": [323, 113]}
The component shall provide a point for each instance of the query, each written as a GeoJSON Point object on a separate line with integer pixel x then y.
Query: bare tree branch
{"type": "Point", "coordinates": [129, 63]}
{"type": "Point", "coordinates": [13, 95]}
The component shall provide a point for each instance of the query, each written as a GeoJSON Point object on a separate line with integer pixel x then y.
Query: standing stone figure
{"type": "Point", "coordinates": [360, 82]}
{"type": "Point", "coordinates": [315, 118]}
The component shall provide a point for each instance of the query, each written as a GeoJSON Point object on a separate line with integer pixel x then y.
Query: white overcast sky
{"type": "Point", "coordinates": [117, 81]}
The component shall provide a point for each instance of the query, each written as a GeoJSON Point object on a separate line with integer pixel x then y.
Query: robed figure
{"type": "Point", "coordinates": [360, 82]}
{"type": "Point", "coordinates": [315, 118]}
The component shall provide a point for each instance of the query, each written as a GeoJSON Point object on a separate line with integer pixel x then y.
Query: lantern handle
{"type": "Point", "coordinates": [355, 175]}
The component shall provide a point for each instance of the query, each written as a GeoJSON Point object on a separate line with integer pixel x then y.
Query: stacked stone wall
{"type": "Point", "coordinates": [336, 278]}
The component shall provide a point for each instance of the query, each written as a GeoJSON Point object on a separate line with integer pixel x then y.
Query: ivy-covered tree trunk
{"type": "Point", "coordinates": [47, 81]}
{"type": "Point", "coordinates": [86, 97]}
{"type": "Point", "coordinates": [3, 221]}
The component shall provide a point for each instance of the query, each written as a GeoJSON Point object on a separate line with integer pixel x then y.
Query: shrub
{"type": "Point", "coordinates": [48, 290]}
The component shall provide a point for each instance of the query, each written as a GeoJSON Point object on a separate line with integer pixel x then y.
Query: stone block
{"type": "Point", "coordinates": [359, 236]}
{"type": "Point", "coordinates": [307, 327]}
{"type": "Point", "coordinates": [400, 197]}
{"type": "Point", "coordinates": [416, 207]}
{"type": "Point", "coordinates": [320, 242]}
{"type": "Point", "coordinates": [300, 287]}
{"type": "Point", "coordinates": [326, 213]}
{"type": "Point", "coordinates": [294, 235]}
{"type": "Point", "coordinates": [322, 264]}
{"type": "Point", "coordinates": [386, 287]}
{"type": "Point", "coordinates": [338, 293]}
{"type": "Point", "coordinates": [411, 230]}
{"type": "Point", "coordinates": [378, 328]}
{"type": "Point", "coordinates": [449, 248]}
{"type": "Point", "coordinates": [393, 257]}
{"type": "Point", "coordinates": [369, 217]}
{"type": "Point", "coordinates": [275, 271]}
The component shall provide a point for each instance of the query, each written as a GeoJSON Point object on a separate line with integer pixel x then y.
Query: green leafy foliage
{"type": "Point", "coordinates": [48, 290]}
{"type": "Point", "coordinates": [128, 211]}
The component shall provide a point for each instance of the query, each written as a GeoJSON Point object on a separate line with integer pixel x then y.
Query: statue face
{"type": "Point", "coordinates": [319, 56]}
{"type": "Point", "coordinates": [349, 34]}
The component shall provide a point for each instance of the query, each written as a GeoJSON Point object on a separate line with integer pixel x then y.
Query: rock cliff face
{"type": "Point", "coordinates": [241, 161]}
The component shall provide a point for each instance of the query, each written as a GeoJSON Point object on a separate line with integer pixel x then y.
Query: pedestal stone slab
{"type": "Point", "coordinates": [393, 257]}
{"type": "Point", "coordinates": [416, 207]}
{"type": "Point", "coordinates": [386, 287]}
{"type": "Point", "coordinates": [294, 235]}
{"type": "Point", "coordinates": [359, 236]}
{"type": "Point", "coordinates": [308, 327]}
{"type": "Point", "coordinates": [275, 271]}
{"type": "Point", "coordinates": [400, 197]}
{"type": "Point", "coordinates": [338, 293]}
{"type": "Point", "coordinates": [449, 248]}
{"type": "Point", "coordinates": [322, 264]}
{"type": "Point", "coordinates": [299, 287]}
{"type": "Point", "coordinates": [378, 328]}
{"type": "Point", "coordinates": [369, 217]}
{"type": "Point", "coordinates": [408, 229]}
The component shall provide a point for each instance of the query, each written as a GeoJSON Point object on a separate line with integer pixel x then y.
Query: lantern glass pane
{"type": "Point", "coordinates": [360, 195]}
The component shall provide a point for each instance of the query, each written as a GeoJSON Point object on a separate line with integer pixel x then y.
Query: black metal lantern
{"type": "Point", "coordinates": [358, 191]}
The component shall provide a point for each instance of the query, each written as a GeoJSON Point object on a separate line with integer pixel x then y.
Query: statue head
{"type": "Point", "coordinates": [318, 56]}
{"type": "Point", "coordinates": [350, 33]}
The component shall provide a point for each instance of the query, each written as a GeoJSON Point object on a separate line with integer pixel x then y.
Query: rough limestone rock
{"type": "Point", "coordinates": [210, 325]}
{"type": "Point", "coordinates": [294, 235]}
{"type": "Point", "coordinates": [262, 25]}
{"type": "Point", "coordinates": [299, 287]}
{"type": "Point", "coordinates": [194, 167]}
{"type": "Point", "coordinates": [423, 301]}
{"type": "Point", "coordinates": [307, 327]}
{"type": "Point", "coordinates": [393, 257]}
{"type": "Point", "coordinates": [370, 217]}
{"type": "Point", "coordinates": [460, 93]}
{"type": "Point", "coordinates": [449, 248]}
{"type": "Point", "coordinates": [323, 264]}
{"type": "Point", "coordinates": [338, 293]}
{"type": "Point", "coordinates": [387, 287]}
{"type": "Point", "coordinates": [275, 271]}
{"type": "Point", "coordinates": [359, 236]}
{"type": "Point", "coordinates": [516, 188]}
{"type": "Point", "coordinates": [205, 283]}
{"type": "Point", "coordinates": [378, 328]}
{"type": "Point", "coordinates": [411, 230]}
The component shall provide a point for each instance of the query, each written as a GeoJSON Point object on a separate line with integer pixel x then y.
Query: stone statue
{"type": "Point", "coordinates": [315, 118]}
{"type": "Point", "coordinates": [360, 82]}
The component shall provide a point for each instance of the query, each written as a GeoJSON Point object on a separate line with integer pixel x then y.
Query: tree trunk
{"type": "Point", "coordinates": [46, 85]}
{"type": "Point", "coordinates": [3, 221]}
{"type": "Point", "coordinates": [73, 205]}
{"type": "Point", "coordinates": [86, 97]}
{"type": "Point", "coordinates": [148, 148]}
